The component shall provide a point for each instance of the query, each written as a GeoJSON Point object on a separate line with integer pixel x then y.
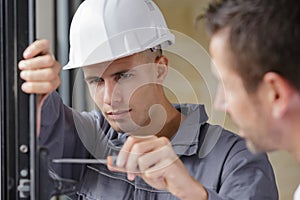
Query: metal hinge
{"type": "Point", "coordinates": [24, 188]}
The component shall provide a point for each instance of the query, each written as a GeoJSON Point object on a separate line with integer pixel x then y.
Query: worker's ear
{"type": "Point", "coordinates": [162, 68]}
{"type": "Point", "coordinates": [279, 94]}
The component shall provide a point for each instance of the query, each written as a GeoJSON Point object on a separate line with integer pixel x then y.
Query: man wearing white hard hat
{"type": "Point", "coordinates": [163, 151]}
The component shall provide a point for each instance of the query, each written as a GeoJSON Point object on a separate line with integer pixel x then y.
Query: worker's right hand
{"type": "Point", "coordinates": [40, 71]}
{"type": "Point", "coordinates": [155, 161]}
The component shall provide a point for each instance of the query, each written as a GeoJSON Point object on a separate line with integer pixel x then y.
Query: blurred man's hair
{"type": "Point", "coordinates": [263, 36]}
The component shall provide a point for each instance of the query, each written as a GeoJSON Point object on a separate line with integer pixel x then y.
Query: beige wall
{"type": "Point", "coordinates": [181, 16]}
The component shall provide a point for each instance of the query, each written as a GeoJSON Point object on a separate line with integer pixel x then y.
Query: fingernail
{"type": "Point", "coordinates": [23, 74]}
{"type": "Point", "coordinates": [24, 87]}
{"type": "Point", "coordinates": [26, 53]}
{"type": "Point", "coordinates": [22, 65]}
{"type": "Point", "coordinates": [130, 177]}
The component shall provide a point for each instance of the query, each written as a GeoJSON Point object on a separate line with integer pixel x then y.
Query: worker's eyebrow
{"type": "Point", "coordinates": [122, 72]}
{"type": "Point", "coordinates": [88, 78]}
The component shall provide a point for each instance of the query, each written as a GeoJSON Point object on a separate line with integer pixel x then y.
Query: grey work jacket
{"type": "Point", "coordinates": [215, 157]}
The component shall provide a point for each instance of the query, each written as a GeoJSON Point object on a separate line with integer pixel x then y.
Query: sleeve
{"type": "Point", "coordinates": [245, 176]}
{"type": "Point", "coordinates": [59, 135]}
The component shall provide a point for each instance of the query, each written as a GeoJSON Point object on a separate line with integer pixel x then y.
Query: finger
{"type": "Point", "coordinates": [145, 147]}
{"type": "Point", "coordinates": [110, 162]}
{"type": "Point", "coordinates": [159, 159]}
{"type": "Point", "coordinates": [40, 87]}
{"type": "Point", "coordinates": [38, 62]}
{"type": "Point", "coordinates": [172, 178]}
{"type": "Point", "coordinates": [158, 168]}
{"type": "Point", "coordinates": [131, 176]}
{"type": "Point", "coordinates": [36, 48]}
{"type": "Point", "coordinates": [42, 75]}
{"type": "Point", "coordinates": [112, 167]}
{"type": "Point", "coordinates": [126, 149]}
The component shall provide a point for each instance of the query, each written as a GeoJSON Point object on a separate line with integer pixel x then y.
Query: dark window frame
{"type": "Point", "coordinates": [18, 128]}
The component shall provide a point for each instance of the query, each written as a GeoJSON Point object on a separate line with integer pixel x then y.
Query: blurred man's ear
{"type": "Point", "coordinates": [279, 94]}
{"type": "Point", "coordinates": [162, 68]}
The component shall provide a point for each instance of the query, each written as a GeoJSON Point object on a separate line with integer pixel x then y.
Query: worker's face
{"type": "Point", "coordinates": [249, 111]}
{"type": "Point", "coordinates": [124, 90]}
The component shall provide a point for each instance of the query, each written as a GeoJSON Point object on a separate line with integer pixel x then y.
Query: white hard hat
{"type": "Point", "coordinates": [105, 30]}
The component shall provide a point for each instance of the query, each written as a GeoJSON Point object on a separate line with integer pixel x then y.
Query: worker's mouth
{"type": "Point", "coordinates": [118, 114]}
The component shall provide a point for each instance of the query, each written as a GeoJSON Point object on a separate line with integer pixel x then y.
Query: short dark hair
{"type": "Point", "coordinates": [264, 36]}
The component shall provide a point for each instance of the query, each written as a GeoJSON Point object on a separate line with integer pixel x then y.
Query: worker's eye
{"type": "Point", "coordinates": [95, 81]}
{"type": "Point", "coordinates": [125, 76]}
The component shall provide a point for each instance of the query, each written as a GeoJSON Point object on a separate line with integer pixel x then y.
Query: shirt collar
{"type": "Point", "coordinates": [186, 140]}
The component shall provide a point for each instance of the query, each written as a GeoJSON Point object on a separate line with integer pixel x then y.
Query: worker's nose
{"type": "Point", "coordinates": [112, 94]}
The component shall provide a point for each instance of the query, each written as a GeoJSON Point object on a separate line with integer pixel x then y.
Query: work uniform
{"type": "Point", "coordinates": [215, 157]}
